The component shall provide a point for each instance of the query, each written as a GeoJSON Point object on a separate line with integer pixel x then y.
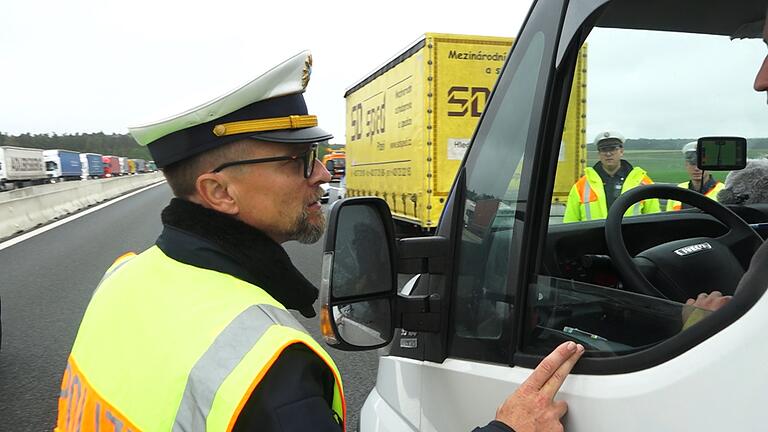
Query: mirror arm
{"type": "Point", "coordinates": [419, 313]}
{"type": "Point", "coordinates": [418, 255]}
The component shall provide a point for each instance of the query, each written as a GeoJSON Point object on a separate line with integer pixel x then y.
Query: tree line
{"type": "Point", "coordinates": [124, 145]}
{"type": "Point", "coordinates": [99, 142]}
{"type": "Point", "coordinates": [106, 144]}
{"type": "Point", "coordinates": [677, 144]}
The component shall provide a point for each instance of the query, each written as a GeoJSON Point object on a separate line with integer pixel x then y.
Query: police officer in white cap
{"type": "Point", "coordinates": [699, 180]}
{"type": "Point", "coordinates": [595, 192]}
{"type": "Point", "coordinates": [194, 333]}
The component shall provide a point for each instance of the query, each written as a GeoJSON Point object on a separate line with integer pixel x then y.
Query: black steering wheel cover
{"type": "Point", "coordinates": [615, 240]}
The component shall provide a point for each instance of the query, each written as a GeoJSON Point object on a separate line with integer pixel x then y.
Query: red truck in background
{"type": "Point", "coordinates": [111, 166]}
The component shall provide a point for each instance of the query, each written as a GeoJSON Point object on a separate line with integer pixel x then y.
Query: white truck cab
{"type": "Point", "coordinates": [502, 281]}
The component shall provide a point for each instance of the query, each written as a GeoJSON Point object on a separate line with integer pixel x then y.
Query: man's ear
{"type": "Point", "coordinates": [212, 192]}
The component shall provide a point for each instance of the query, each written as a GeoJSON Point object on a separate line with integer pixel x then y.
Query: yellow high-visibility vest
{"type": "Point", "coordinates": [586, 200]}
{"type": "Point", "coordinates": [181, 353]}
{"type": "Point", "coordinates": [673, 205]}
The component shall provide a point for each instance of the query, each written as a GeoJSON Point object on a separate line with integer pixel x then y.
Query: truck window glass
{"type": "Point", "coordinates": [482, 298]}
{"type": "Point", "coordinates": [650, 93]}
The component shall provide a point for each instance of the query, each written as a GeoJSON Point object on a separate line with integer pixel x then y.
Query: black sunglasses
{"type": "Point", "coordinates": [307, 158]}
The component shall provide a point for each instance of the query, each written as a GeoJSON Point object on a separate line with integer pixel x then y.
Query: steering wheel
{"type": "Point", "coordinates": [681, 269]}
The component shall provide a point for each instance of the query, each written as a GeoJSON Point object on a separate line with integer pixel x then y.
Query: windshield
{"type": "Point", "coordinates": [637, 101]}
{"type": "Point", "coordinates": [649, 95]}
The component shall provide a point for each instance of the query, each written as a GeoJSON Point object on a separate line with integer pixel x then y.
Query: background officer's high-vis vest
{"type": "Point", "coordinates": [166, 346]}
{"type": "Point", "coordinates": [586, 200]}
{"type": "Point", "coordinates": [673, 205]}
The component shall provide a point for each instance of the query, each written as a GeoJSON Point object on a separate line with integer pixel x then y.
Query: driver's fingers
{"type": "Point", "coordinates": [716, 294]}
{"type": "Point", "coordinates": [724, 299]}
{"type": "Point", "coordinates": [690, 301]}
{"type": "Point", "coordinates": [702, 296]}
{"type": "Point", "coordinates": [714, 303]}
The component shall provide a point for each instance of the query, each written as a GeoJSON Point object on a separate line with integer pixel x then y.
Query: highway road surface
{"type": "Point", "coordinates": [47, 280]}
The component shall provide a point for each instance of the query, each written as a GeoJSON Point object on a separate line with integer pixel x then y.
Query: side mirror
{"type": "Point", "coordinates": [359, 283]}
{"type": "Point", "coordinates": [721, 153]}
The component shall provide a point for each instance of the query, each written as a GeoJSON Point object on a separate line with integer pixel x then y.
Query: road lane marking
{"type": "Point", "coordinates": [38, 231]}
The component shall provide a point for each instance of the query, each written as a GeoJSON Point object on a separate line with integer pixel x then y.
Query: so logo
{"type": "Point", "coordinates": [465, 101]}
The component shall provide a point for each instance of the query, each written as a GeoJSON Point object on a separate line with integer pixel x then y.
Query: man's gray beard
{"type": "Point", "coordinates": [305, 232]}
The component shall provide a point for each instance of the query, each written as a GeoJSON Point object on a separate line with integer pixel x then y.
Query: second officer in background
{"type": "Point", "coordinates": [700, 181]}
{"type": "Point", "coordinates": [595, 192]}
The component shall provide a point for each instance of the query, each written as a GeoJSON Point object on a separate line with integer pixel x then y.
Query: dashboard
{"type": "Point", "coordinates": [579, 251]}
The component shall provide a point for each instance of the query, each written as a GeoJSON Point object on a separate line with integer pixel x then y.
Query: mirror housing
{"type": "Point", "coordinates": [361, 307]}
{"type": "Point", "coordinates": [721, 153]}
{"type": "Point", "coordinates": [359, 281]}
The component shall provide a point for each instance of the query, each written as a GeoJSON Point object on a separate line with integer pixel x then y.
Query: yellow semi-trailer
{"type": "Point", "coordinates": [409, 123]}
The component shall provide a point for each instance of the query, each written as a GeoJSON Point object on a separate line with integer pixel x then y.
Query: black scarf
{"type": "Point", "coordinates": [206, 238]}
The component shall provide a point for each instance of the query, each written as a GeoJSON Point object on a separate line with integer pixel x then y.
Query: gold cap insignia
{"type": "Point", "coordinates": [307, 71]}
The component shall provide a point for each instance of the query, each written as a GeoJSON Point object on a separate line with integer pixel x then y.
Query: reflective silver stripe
{"type": "Point", "coordinates": [587, 209]}
{"type": "Point", "coordinates": [636, 209]}
{"type": "Point", "coordinates": [112, 271]}
{"type": "Point", "coordinates": [221, 358]}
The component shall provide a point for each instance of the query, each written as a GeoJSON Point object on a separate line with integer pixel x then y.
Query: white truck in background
{"type": "Point", "coordinates": [123, 161]}
{"type": "Point", "coordinates": [21, 167]}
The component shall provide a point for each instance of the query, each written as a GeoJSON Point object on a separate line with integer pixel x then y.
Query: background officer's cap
{"type": "Point", "coordinates": [609, 139]}
{"type": "Point", "coordinates": [689, 152]}
{"type": "Point", "coordinates": [270, 108]}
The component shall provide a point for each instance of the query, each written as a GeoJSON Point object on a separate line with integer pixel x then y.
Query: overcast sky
{"type": "Point", "coordinates": [672, 85]}
{"type": "Point", "coordinates": [100, 65]}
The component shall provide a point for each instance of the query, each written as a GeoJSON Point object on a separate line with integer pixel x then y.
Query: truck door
{"type": "Point", "coordinates": [465, 389]}
{"type": "Point", "coordinates": [518, 285]}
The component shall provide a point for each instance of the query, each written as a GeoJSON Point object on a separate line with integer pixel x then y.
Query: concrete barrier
{"type": "Point", "coordinates": [27, 208]}
{"type": "Point", "coordinates": [37, 190]}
